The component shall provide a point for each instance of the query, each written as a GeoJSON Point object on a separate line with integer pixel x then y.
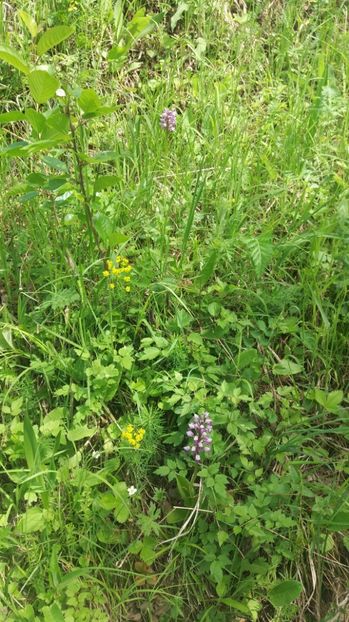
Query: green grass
{"type": "Point", "coordinates": [236, 226]}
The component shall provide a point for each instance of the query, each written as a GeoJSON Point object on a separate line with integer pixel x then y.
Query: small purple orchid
{"type": "Point", "coordinates": [168, 120]}
{"type": "Point", "coordinates": [199, 432]}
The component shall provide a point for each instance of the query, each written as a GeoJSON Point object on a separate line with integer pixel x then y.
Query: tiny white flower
{"type": "Point", "coordinates": [131, 491]}
{"type": "Point", "coordinates": [96, 455]}
{"type": "Point", "coordinates": [60, 93]}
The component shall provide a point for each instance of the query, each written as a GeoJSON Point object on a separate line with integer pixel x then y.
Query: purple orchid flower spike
{"type": "Point", "coordinates": [199, 432]}
{"type": "Point", "coordinates": [168, 120]}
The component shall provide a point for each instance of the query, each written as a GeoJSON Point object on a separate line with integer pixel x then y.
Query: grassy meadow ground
{"type": "Point", "coordinates": [232, 233]}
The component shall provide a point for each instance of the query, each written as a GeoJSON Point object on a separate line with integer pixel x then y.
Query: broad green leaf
{"type": "Point", "coordinates": [339, 521]}
{"type": "Point", "coordinates": [83, 431]}
{"type": "Point", "coordinates": [52, 37]}
{"type": "Point", "coordinates": [285, 592]}
{"type": "Point", "coordinates": [329, 401]}
{"type": "Point", "coordinates": [36, 119]}
{"type": "Point", "coordinates": [107, 501]}
{"type": "Point", "coordinates": [177, 516]}
{"type": "Point", "coordinates": [150, 354]}
{"type": "Point", "coordinates": [103, 226]}
{"type": "Point", "coordinates": [53, 613]}
{"type": "Point", "coordinates": [286, 367]}
{"type": "Point", "coordinates": [42, 85]}
{"type": "Point", "coordinates": [30, 444]}
{"type": "Point", "coordinates": [117, 238]}
{"type": "Point", "coordinates": [10, 117]}
{"type": "Point", "coordinates": [89, 101]}
{"type": "Point", "coordinates": [11, 56]}
{"type": "Point", "coordinates": [32, 520]}
{"type": "Point", "coordinates": [105, 181]}
{"type": "Point", "coordinates": [118, 52]}
{"type": "Point", "coordinates": [29, 22]}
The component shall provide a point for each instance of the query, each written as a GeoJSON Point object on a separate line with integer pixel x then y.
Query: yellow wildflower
{"type": "Point", "coordinates": [111, 285]}
{"type": "Point", "coordinates": [106, 272]}
{"type": "Point", "coordinates": [127, 279]}
{"type": "Point", "coordinates": [132, 435]}
{"type": "Point", "coordinates": [127, 289]}
{"type": "Point", "coordinates": [109, 264]}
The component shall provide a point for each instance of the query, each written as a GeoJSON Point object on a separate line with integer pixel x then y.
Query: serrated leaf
{"type": "Point", "coordinates": [32, 520]}
{"type": "Point", "coordinates": [11, 56]}
{"type": "Point", "coordinates": [52, 37]}
{"type": "Point", "coordinates": [329, 401]}
{"type": "Point", "coordinates": [150, 354]}
{"type": "Point", "coordinates": [53, 613]}
{"type": "Point", "coordinates": [260, 251]}
{"type": "Point", "coordinates": [29, 22]}
{"type": "Point", "coordinates": [285, 592]}
{"type": "Point", "coordinates": [286, 367]}
{"type": "Point", "coordinates": [42, 85]}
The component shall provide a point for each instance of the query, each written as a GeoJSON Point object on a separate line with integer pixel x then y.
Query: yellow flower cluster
{"type": "Point", "coordinates": [118, 269]}
{"type": "Point", "coordinates": [132, 435]}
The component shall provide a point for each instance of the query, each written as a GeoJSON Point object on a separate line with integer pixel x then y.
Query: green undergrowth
{"type": "Point", "coordinates": [228, 239]}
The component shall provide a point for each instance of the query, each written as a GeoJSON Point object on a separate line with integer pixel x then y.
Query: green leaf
{"type": "Point", "coordinates": [117, 238]}
{"type": "Point", "coordinates": [52, 37]}
{"type": "Point", "coordinates": [177, 516]}
{"type": "Point", "coordinates": [89, 100]}
{"type": "Point", "coordinates": [53, 613]}
{"type": "Point", "coordinates": [107, 501]}
{"type": "Point", "coordinates": [339, 522]}
{"type": "Point", "coordinates": [285, 592]}
{"type": "Point", "coordinates": [208, 268]}
{"type": "Point", "coordinates": [118, 19]}
{"type": "Point", "coordinates": [11, 56]}
{"type": "Point", "coordinates": [32, 520]}
{"type": "Point", "coordinates": [185, 489]}
{"type": "Point", "coordinates": [216, 570]}
{"type": "Point", "coordinates": [329, 401]}
{"type": "Point", "coordinates": [10, 117]}
{"type": "Point", "coordinates": [42, 85]}
{"type": "Point", "coordinates": [30, 444]}
{"type": "Point", "coordinates": [260, 251]}
{"type": "Point", "coordinates": [235, 604]}
{"type": "Point", "coordinates": [105, 181]}
{"type": "Point", "coordinates": [29, 22]}
{"type": "Point", "coordinates": [222, 536]}
{"type": "Point", "coordinates": [122, 502]}
{"type": "Point", "coordinates": [286, 367]}
{"type": "Point", "coordinates": [182, 7]}
{"type": "Point", "coordinates": [105, 229]}
{"type": "Point", "coordinates": [79, 433]}
{"type": "Point", "coordinates": [150, 354]}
